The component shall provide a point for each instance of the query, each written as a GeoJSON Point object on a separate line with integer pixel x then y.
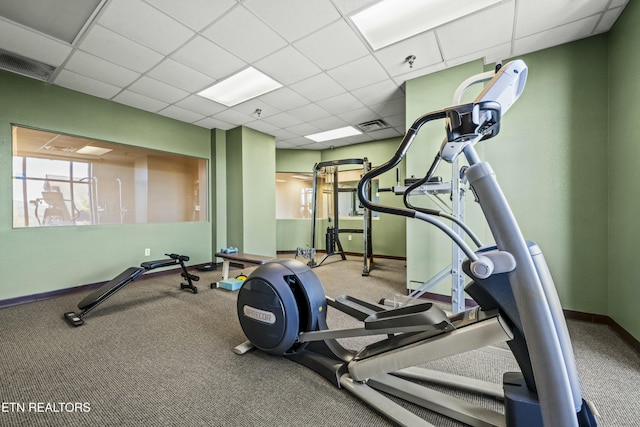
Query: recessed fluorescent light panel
{"type": "Point", "coordinates": [391, 21]}
{"type": "Point", "coordinates": [240, 87]}
{"type": "Point", "coordinates": [92, 150]}
{"type": "Point", "coordinates": [334, 134]}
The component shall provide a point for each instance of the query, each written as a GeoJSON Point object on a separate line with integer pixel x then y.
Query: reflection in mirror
{"type": "Point", "coordinates": [61, 179]}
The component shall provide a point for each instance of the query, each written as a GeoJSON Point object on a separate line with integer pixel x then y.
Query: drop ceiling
{"type": "Point", "coordinates": [156, 55]}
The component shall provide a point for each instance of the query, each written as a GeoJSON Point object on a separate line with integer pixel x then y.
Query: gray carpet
{"type": "Point", "coordinates": [156, 355]}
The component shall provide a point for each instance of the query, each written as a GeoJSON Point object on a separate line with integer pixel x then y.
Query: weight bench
{"type": "Point", "coordinates": [240, 258]}
{"type": "Point", "coordinates": [98, 296]}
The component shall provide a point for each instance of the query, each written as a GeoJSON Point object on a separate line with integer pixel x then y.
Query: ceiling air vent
{"type": "Point", "coordinates": [373, 125]}
{"type": "Point", "coordinates": [27, 67]}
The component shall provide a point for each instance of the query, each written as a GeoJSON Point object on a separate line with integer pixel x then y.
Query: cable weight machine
{"type": "Point", "coordinates": [333, 245]}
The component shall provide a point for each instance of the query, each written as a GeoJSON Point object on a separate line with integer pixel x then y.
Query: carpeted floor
{"type": "Point", "coordinates": [155, 355]}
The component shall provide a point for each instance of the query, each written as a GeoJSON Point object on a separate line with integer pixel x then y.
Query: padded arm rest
{"type": "Point", "coordinates": [150, 265]}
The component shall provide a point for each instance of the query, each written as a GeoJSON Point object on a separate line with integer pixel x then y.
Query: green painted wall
{"type": "Point", "coordinates": [251, 189]}
{"type": "Point", "coordinates": [45, 259]}
{"type": "Point", "coordinates": [624, 174]}
{"type": "Point", "coordinates": [549, 158]}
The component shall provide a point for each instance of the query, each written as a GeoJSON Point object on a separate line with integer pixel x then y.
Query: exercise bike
{"type": "Point", "coordinates": [282, 305]}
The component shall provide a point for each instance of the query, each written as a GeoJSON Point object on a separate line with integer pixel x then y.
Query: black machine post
{"type": "Point", "coordinates": [109, 288]}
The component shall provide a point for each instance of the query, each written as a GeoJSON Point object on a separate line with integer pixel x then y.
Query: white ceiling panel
{"type": "Point", "coordinates": [559, 35]}
{"type": "Point", "coordinates": [360, 115]}
{"type": "Point", "coordinates": [262, 126]}
{"type": "Point", "coordinates": [231, 32]}
{"type": "Point", "coordinates": [195, 14]}
{"type": "Point", "coordinates": [213, 123]}
{"type": "Point", "coordinates": [156, 55]}
{"type": "Point", "coordinates": [232, 116]}
{"type": "Point", "coordinates": [181, 114]}
{"type": "Point", "coordinates": [137, 100]}
{"type": "Point", "coordinates": [85, 84]}
{"type": "Point", "coordinates": [145, 24]}
{"type": "Point", "coordinates": [284, 99]}
{"type": "Point", "coordinates": [309, 112]}
{"type": "Point", "coordinates": [283, 120]}
{"type": "Point", "coordinates": [424, 47]}
{"type": "Point", "coordinates": [180, 76]}
{"type": "Point", "coordinates": [120, 50]}
{"type": "Point", "coordinates": [18, 39]}
{"type": "Point", "coordinates": [359, 73]}
{"type": "Point", "coordinates": [208, 58]}
{"type": "Point", "coordinates": [341, 103]}
{"type": "Point", "coordinates": [535, 16]}
{"type": "Point", "coordinates": [378, 92]}
{"type": "Point", "coordinates": [318, 87]}
{"type": "Point", "coordinates": [157, 90]}
{"type": "Point", "coordinates": [500, 31]}
{"type": "Point", "coordinates": [287, 66]}
{"type": "Point", "coordinates": [332, 46]}
{"type": "Point", "coordinates": [294, 19]}
{"type": "Point", "coordinates": [200, 104]}
{"type": "Point", "coordinates": [100, 69]}
{"type": "Point", "coordinates": [349, 6]}
{"type": "Point", "coordinates": [331, 122]}
{"type": "Point", "coordinates": [608, 19]}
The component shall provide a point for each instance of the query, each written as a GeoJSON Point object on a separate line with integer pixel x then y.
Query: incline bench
{"type": "Point", "coordinates": [240, 258]}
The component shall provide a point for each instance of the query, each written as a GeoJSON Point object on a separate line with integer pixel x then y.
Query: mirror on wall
{"type": "Point", "coordinates": [66, 180]}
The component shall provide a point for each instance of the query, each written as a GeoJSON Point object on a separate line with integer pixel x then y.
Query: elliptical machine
{"type": "Point", "coordinates": [282, 305]}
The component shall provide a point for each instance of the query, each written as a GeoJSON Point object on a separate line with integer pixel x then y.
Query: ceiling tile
{"type": "Point", "coordinates": [22, 41]}
{"type": "Point", "coordinates": [100, 69]}
{"type": "Point", "coordinates": [232, 116]}
{"type": "Point", "coordinates": [419, 73]}
{"type": "Point", "coordinates": [85, 84]}
{"type": "Point", "coordinates": [378, 92]}
{"type": "Point", "coordinates": [320, 86]}
{"type": "Point", "coordinates": [284, 99]}
{"type": "Point", "coordinates": [139, 101]}
{"type": "Point", "coordinates": [332, 46]}
{"type": "Point", "coordinates": [144, 24]}
{"type": "Point", "coordinates": [180, 76]}
{"type": "Point", "coordinates": [287, 66]}
{"type": "Point", "coordinates": [157, 90]}
{"type": "Point", "coordinates": [262, 126]}
{"type": "Point", "coordinates": [113, 47]}
{"type": "Point", "coordinates": [201, 105]}
{"type": "Point", "coordinates": [212, 123]}
{"type": "Point", "coordinates": [181, 114]}
{"type": "Point", "coordinates": [349, 6]}
{"type": "Point", "coordinates": [208, 58]}
{"type": "Point", "coordinates": [424, 47]}
{"type": "Point", "coordinates": [390, 107]}
{"type": "Point", "coordinates": [340, 103]}
{"type": "Point", "coordinates": [62, 20]}
{"type": "Point", "coordinates": [328, 123]}
{"type": "Point", "coordinates": [359, 73]}
{"type": "Point", "coordinates": [498, 32]}
{"type": "Point", "coordinates": [231, 33]}
{"type": "Point", "coordinates": [294, 19]}
{"type": "Point", "coordinates": [303, 129]}
{"type": "Point", "coordinates": [608, 19]}
{"type": "Point", "coordinates": [559, 35]}
{"type": "Point", "coordinates": [195, 14]}
{"type": "Point", "coordinates": [309, 112]}
{"type": "Point", "coordinates": [283, 120]}
{"type": "Point", "coordinates": [360, 115]}
{"type": "Point", "coordinates": [538, 15]}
